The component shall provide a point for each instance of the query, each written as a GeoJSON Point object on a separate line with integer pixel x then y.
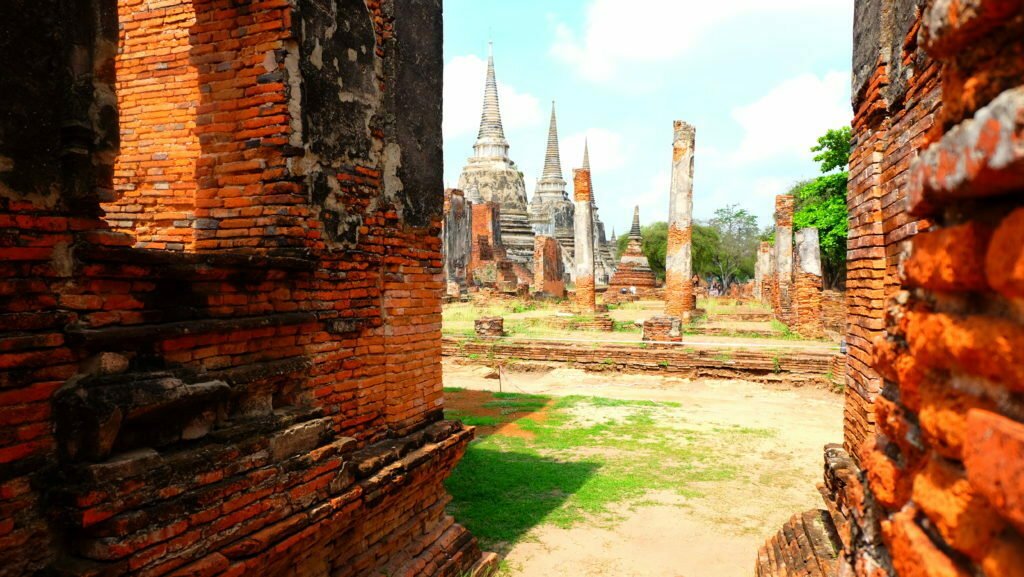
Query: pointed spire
{"type": "Point", "coordinates": [635, 231]}
{"type": "Point", "coordinates": [490, 120]}
{"type": "Point", "coordinates": [552, 159]}
{"type": "Point", "coordinates": [586, 155]}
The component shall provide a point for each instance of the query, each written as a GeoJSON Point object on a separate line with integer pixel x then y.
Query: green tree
{"type": "Point", "coordinates": [706, 244]}
{"type": "Point", "coordinates": [821, 203]}
{"type": "Point", "coordinates": [736, 251]}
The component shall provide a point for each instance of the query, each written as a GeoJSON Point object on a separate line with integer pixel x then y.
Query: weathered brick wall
{"type": "Point", "coordinates": [262, 401]}
{"type": "Point", "coordinates": [892, 120]}
{"type": "Point", "coordinates": [486, 240]}
{"type": "Point", "coordinates": [782, 283]}
{"type": "Point", "coordinates": [548, 272]}
{"type": "Point", "coordinates": [833, 311]}
{"type": "Point", "coordinates": [934, 484]}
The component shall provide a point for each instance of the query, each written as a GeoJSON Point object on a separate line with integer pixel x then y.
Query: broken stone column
{"type": "Point", "coordinates": [783, 298]}
{"type": "Point", "coordinates": [584, 221]}
{"type": "Point", "coordinates": [457, 240]}
{"type": "Point", "coordinates": [679, 296]}
{"type": "Point", "coordinates": [762, 270]}
{"type": "Point", "coordinates": [548, 273]}
{"type": "Point", "coordinates": [807, 295]}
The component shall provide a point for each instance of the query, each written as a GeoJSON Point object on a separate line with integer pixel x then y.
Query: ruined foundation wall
{"type": "Point", "coordinates": [807, 297]}
{"type": "Point", "coordinates": [269, 399]}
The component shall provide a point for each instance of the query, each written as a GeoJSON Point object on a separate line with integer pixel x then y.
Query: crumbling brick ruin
{"type": "Point", "coordinates": [807, 294]}
{"type": "Point", "coordinates": [221, 272]}
{"type": "Point", "coordinates": [929, 480]}
{"type": "Point", "coordinates": [633, 275]}
{"type": "Point", "coordinates": [548, 273]}
{"type": "Point", "coordinates": [585, 296]}
{"type": "Point", "coordinates": [782, 282]}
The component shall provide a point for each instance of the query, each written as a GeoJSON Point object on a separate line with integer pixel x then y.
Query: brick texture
{"type": "Point", "coordinates": [220, 342]}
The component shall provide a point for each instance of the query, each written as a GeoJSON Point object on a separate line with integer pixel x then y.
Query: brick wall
{"type": "Point", "coordinates": [265, 398]}
{"type": "Point", "coordinates": [548, 272]}
{"type": "Point", "coordinates": [929, 479]}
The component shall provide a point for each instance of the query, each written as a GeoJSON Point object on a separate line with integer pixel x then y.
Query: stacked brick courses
{"type": "Point", "coordinates": [548, 272]}
{"type": "Point", "coordinates": [933, 484]}
{"type": "Point", "coordinates": [266, 397]}
{"type": "Point", "coordinates": [782, 283]}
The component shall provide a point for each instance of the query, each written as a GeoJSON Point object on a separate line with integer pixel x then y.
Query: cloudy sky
{"type": "Point", "coordinates": [759, 79]}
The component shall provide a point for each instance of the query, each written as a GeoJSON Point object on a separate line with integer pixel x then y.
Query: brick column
{"type": "Point", "coordinates": [784, 258]}
{"type": "Point", "coordinates": [807, 285]}
{"type": "Point", "coordinates": [762, 271]}
{"type": "Point", "coordinates": [585, 298]}
{"type": "Point", "coordinates": [679, 263]}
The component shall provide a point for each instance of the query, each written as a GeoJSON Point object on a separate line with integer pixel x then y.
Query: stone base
{"type": "Point", "coordinates": [663, 329]}
{"type": "Point", "coordinates": [489, 327]}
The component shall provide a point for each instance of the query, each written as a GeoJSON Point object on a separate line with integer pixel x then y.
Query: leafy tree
{"type": "Point", "coordinates": [736, 252]}
{"type": "Point", "coordinates": [821, 203]}
{"type": "Point", "coordinates": [706, 243]}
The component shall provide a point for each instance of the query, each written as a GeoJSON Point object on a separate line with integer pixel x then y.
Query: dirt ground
{"type": "Point", "coordinates": [715, 534]}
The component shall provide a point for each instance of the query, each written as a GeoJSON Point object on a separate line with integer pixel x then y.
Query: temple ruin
{"type": "Point", "coordinates": [929, 477]}
{"type": "Point", "coordinates": [221, 279]}
{"type": "Point", "coordinates": [495, 178]}
{"type": "Point", "coordinates": [551, 211]}
{"type": "Point", "coordinates": [633, 276]}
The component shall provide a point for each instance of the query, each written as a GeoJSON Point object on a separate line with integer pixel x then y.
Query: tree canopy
{"type": "Point", "coordinates": [725, 247]}
{"type": "Point", "coordinates": [821, 202]}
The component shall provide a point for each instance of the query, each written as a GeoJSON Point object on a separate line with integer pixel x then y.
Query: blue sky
{"type": "Point", "coordinates": [760, 79]}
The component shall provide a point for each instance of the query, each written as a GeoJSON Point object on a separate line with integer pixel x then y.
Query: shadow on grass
{"type": "Point", "coordinates": [500, 495]}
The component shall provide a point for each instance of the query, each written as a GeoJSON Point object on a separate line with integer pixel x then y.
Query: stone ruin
{"type": "Point", "coordinates": [680, 299]}
{"type": "Point", "coordinates": [548, 274]}
{"type": "Point", "coordinates": [457, 239]}
{"type": "Point", "coordinates": [221, 276]}
{"type": "Point", "coordinates": [929, 479]}
{"type": "Point", "coordinates": [788, 277]}
{"type": "Point", "coordinates": [633, 276]}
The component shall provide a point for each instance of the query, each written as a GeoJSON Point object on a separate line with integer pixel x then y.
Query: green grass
{"type": "Point", "coordinates": [587, 459]}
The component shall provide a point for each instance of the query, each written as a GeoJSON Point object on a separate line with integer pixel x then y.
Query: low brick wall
{"type": "Point", "coordinates": [833, 311]}
{"type": "Point", "coordinates": [596, 323]}
{"type": "Point", "coordinates": [794, 367]}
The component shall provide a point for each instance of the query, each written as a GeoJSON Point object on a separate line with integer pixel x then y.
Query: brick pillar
{"type": "Point", "coordinates": [679, 264]}
{"type": "Point", "coordinates": [762, 270]}
{"type": "Point", "coordinates": [784, 258]}
{"type": "Point", "coordinates": [807, 285]}
{"type": "Point", "coordinates": [585, 297]}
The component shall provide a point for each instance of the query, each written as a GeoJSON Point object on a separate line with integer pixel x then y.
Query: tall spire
{"type": "Point", "coordinates": [635, 231]}
{"type": "Point", "coordinates": [552, 160]}
{"type": "Point", "coordinates": [490, 120]}
{"type": "Point", "coordinates": [586, 155]}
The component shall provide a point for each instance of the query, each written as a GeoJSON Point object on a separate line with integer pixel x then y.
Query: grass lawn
{"type": "Point", "coordinates": [570, 460]}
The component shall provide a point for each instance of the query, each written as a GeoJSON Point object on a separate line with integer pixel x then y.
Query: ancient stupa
{"type": "Point", "coordinates": [634, 270]}
{"type": "Point", "coordinates": [493, 177]}
{"type": "Point", "coordinates": [551, 211]}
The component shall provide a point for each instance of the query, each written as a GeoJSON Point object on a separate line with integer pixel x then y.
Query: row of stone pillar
{"type": "Point", "coordinates": [791, 282]}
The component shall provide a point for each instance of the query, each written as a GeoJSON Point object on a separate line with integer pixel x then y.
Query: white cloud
{"type": "Point", "coordinates": [787, 121]}
{"type": "Point", "coordinates": [464, 94]}
{"type": "Point", "coordinates": [608, 151]}
{"type": "Point", "coordinates": [617, 34]}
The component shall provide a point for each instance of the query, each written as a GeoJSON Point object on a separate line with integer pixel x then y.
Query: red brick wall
{"type": "Point", "coordinates": [934, 342]}
{"type": "Point", "coordinates": [268, 399]}
{"type": "Point", "coordinates": [548, 273]}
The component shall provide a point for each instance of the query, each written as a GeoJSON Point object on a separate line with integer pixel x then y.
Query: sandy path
{"type": "Point", "coordinates": [716, 535]}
